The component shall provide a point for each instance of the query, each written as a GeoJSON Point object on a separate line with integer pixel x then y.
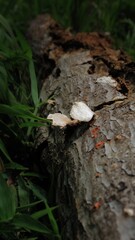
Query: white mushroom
{"type": "Point", "coordinates": [80, 111]}
{"type": "Point", "coordinates": [59, 119]}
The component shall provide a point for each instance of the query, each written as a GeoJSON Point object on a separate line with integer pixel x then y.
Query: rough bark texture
{"type": "Point", "coordinates": [93, 163]}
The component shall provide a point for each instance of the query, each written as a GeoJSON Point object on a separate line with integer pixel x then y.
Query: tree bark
{"type": "Point", "coordinates": [92, 164]}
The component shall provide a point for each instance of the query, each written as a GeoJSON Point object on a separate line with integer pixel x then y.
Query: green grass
{"type": "Point", "coordinates": [20, 207]}
{"type": "Point", "coordinates": [23, 204]}
{"type": "Point", "coordinates": [116, 17]}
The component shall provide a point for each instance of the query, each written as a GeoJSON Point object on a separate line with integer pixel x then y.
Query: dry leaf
{"type": "Point", "coordinates": [51, 102]}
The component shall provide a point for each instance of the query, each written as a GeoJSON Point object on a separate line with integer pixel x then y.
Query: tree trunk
{"type": "Point", "coordinates": [92, 164]}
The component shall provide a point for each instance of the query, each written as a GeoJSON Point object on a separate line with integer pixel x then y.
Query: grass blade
{"type": "Point", "coordinates": [4, 150]}
{"type": "Point", "coordinates": [42, 213]}
{"type": "Point", "coordinates": [29, 223]}
{"type": "Point", "coordinates": [15, 166]}
{"type": "Point", "coordinates": [32, 124]}
{"type": "Point", "coordinates": [8, 200]}
{"type": "Point", "coordinates": [18, 110]}
{"type": "Point", "coordinates": [34, 88]}
{"type": "Point", "coordinates": [26, 48]}
{"type": "Point", "coordinates": [41, 195]}
{"type": "Point", "coordinates": [6, 26]}
{"type": "Point", "coordinates": [29, 206]}
{"type": "Point", "coordinates": [52, 219]}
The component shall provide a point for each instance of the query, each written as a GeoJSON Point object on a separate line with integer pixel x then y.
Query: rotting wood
{"type": "Point", "coordinates": [93, 163]}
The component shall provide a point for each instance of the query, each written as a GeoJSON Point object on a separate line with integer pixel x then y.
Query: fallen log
{"type": "Point", "coordinates": [93, 163]}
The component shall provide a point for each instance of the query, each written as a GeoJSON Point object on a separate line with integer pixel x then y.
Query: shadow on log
{"type": "Point", "coordinates": [93, 164]}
